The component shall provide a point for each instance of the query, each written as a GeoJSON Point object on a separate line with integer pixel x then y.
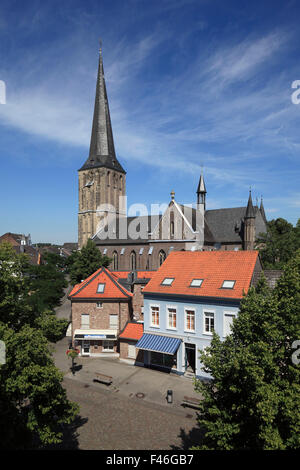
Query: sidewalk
{"type": "Point", "coordinates": [130, 381]}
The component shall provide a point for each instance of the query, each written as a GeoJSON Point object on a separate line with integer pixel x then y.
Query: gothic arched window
{"type": "Point", "coordinates": [172, 228]}
{"type": "Point", "coordinates": [161, 257]}
{"type": "Point", "coordinates": [115, 261]}
{"type": "Point", "coordinates": [132, 260]}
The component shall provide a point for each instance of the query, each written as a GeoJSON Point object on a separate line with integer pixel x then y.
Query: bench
{"type": "Point", "coordinates": [192, 402]}
{"type": "Point", "coordinates": [105, 379]}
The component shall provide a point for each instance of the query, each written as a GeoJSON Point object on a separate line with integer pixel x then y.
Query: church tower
{"type": "Point", "coordinates": [101, 180]}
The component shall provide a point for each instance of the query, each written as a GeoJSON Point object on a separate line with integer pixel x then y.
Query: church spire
{"type": "Point", "coordinates": [102, 149]}
{"type": "Point", "coordinates": [262, 210]}
{"type": "Point", "coordinates": [201, 192]}
{"type": "Point", "coordinates": [250, 213]}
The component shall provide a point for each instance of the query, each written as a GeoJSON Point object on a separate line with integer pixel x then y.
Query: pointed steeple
{"type": "Point", "coordinates": [262, 210]}
{"type": "Point", "coordinates": [201, 192]}
{"type": "Point", "coordinates": [250, 212]}
{"type": "Point", "coordinates": [102, 149]}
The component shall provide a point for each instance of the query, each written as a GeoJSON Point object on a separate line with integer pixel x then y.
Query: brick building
{"type": "Point", "coordinates": [145, 242]}
{"type": "Point", "coordinates": [105, 305]}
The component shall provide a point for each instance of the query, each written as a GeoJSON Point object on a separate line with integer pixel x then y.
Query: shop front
{"type": "Point", "coordinates": [96, 342]}
{"type": "Point", "coordinates": [160, 352]}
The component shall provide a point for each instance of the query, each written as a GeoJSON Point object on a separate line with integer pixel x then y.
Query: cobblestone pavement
{"type": "Point", "coordinates": [111, 422]}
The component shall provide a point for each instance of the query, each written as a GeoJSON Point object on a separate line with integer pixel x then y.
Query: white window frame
{"type": "Point", "coordinates": [151, 324]}
{"type": "Point", "coordinates": [167, 317]}
{"type": "Point", "coordinates": [101, 291]}
{"type": "Point", "coordinates": [169, 284]}
{"type": "Point", "coordinates": [227, 312]}
{"type": "Point", "coordinates": [116, 317]}
{"type": "Point", "coordinates": [196, 279]}
{"type": "Point", "coordinates": [228, 287]}
{"type": "Point", "coordinates": [209, 333]}
{"type": "Point", "coordinates": [190, 309]}
{"type": "Point", "coordinates": [84, 326]}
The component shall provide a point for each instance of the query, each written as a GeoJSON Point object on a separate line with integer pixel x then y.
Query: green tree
{"type": "Point", "coordinates": [252, 402]}
{"type": "Point", "coordinates": [81, 264]}
{"type": "Point", "coordinates": [14, 289]}
{"type": "Point", "coordinates": [279, 244]}
{"type": "Point", "coordinates": [34, 405]}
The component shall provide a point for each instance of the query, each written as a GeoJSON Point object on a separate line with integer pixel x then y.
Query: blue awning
{"type": "Point", "coordinates": [158, 343]}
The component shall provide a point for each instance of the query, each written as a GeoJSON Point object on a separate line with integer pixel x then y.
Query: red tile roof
{"type": "Point", "coordinates": [213, 267]}
{"type": "Point", "coordinates": [88, 288]}
{"type": "Point", "coordinates": [133, 331]}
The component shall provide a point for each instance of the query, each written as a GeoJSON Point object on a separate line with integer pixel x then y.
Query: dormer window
{"type": "Point", "coordinates": [196, 283]}
{"type": "Point", "coordinates": [228, 285]}
{"type": "Point", "coordinates": [100, 288]}
{"type": "Point", "coordinates": [167, 281]}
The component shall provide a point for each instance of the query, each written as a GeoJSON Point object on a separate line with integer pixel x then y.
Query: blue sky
{"type": "Point", "coordinates": [190, 83]}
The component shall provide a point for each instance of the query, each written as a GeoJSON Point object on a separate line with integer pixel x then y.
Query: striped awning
{"type": "Point", "coordinates": [158, 343]}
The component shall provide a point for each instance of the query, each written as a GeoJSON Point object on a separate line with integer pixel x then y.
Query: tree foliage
{"type": "Point", "coordinates": [252, 402]}
{"type": "Point", "coordinates": [33, 403]}
{"type": "Point", "coordinates": [81, 264]}
{"type": "Point", "coordinates": [279, 244]}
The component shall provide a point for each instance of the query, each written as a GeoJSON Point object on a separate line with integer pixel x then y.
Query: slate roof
{"type": "Point", "coordinates": [213, 267]}
{"type": "Point", "coordinates": [102, 150]}
{"type": "Point", "coordinates": [220, 225]}
{"type": "Point", "coordinates": [148, 223]}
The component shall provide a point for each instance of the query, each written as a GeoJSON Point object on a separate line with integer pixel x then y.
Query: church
{"type": "Point", "coordinates": [144, 242]}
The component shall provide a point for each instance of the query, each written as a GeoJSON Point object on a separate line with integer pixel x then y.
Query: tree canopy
{"type": "Point", "coordinates": [33, 403]}
{"type": "Point", "coordinates": [81, 264]}
{"type": "Point", "coordinates": [279, 244]}
{"type": "Point", "coordinates": [252, 402]}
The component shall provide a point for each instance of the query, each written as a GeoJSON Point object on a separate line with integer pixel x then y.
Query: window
{"type": "Point", "coordinates": [99, 305]}
{"type": "Point", "coordinates": [105, 251]}
{"type": "Point", "coordinates": [115, 260]}
{"type": "Point", "coordinates": [113, 322]}
{"type": "Point", "coordinates": [133, 260]}
{"type": "Point", "coordinates": [167, 281]}
{"type": "Point", "coordinates": [228, 284]}
{"type": "Point", "coordinates": [172, 318]}
{"type": "Point", "coordinates": [190, 320]}
{"type": "Point", "coordinates": [154, 316]}
{"type": "Point", "coordinates": [85, 321]}
{"type": "Point", "coordinates": [150, 250]}
{"type": "Point", "coordinates": [172, 229]}
{"type": "Point", "coordinates": [122, 251]}
{"type": "Point", "coordinates": [108, 346]}
{"type": "Point", "coordinates": [100, 288]}
{"type": "Point", "coordinates": [141, 251]}
{"type": "Point", "coordinates": [161, 257]}
{"type": "Point", "coordinates": [228, 320]}
{"type": "Point", "coordinates": [209, 322]}
{"type": "Point", "coordinates": [196, 283]}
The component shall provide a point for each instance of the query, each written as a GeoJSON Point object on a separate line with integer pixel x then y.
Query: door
{"type": "Point", "coordinates": [190, 356]}
{"type": "Point", "coordinates": [85, 348]}
{"type": "Point", "coordinates": [131, 351]}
